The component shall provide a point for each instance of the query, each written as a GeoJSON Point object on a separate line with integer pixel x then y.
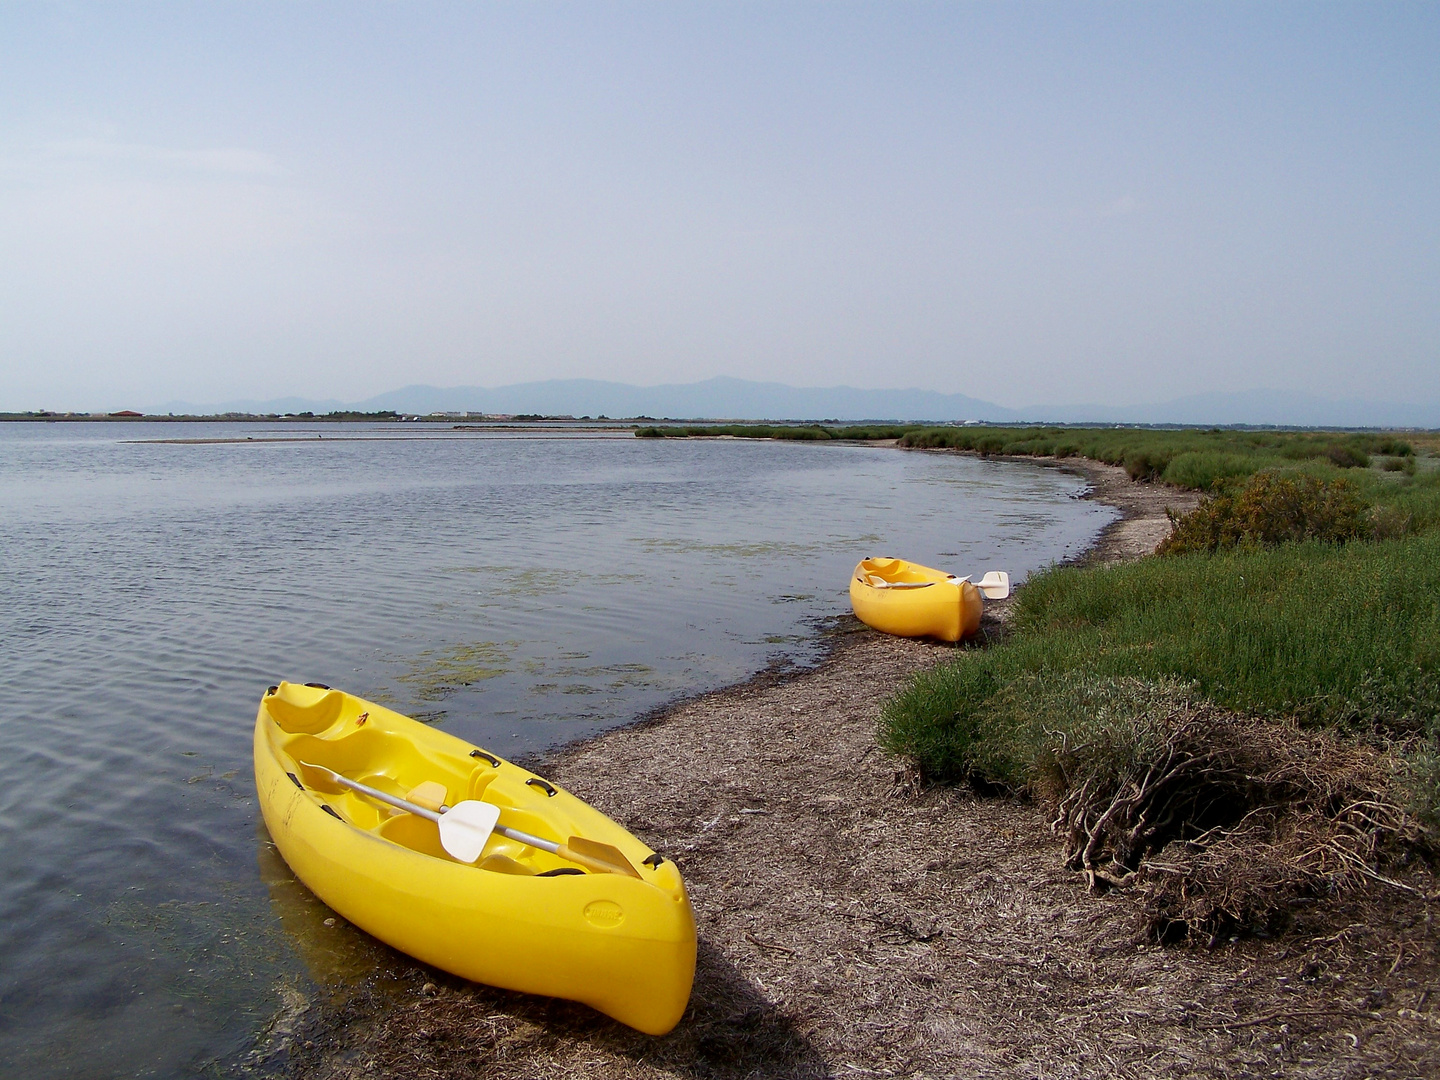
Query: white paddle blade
{"type": "Point", "coordinates": [465, 828]}
{"type": "Point", "coordinates": [995, 585]}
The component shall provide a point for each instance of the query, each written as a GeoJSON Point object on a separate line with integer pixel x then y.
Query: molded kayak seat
{"type": "Point", "coordinates": [307, 709]}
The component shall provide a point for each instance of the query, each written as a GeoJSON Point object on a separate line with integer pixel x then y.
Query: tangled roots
{"type": "Point", "coordinates": [1221, 823]}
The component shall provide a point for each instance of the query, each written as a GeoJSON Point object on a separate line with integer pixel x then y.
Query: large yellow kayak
{"type": "Point", "coordinates": [518, 917]}
{"type": "Point", "coordinates": [911, 600]}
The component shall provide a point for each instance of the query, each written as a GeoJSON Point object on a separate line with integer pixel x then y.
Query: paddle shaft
{"type": "Point", "coordinates": [526, 838]}
{"type": "Point", "coordinates": [390, 800]}
{"type": "Point", "coordinates": [616, 863]}
{"type": "Point", "coordinates": [515, 834]}
{"type": "Point", "coordinates": [431, 815]}
{"type": "Point", "coordinates": [604, 858]}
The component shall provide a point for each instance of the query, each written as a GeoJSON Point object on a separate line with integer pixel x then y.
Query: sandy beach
{"type": "Point", "coordinates": [855, 922]}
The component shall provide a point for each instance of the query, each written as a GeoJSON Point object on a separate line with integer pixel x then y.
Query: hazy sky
{"type": "Point", "coordinates": [1028, 203]}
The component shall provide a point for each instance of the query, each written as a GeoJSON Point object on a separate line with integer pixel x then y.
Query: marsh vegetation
{"type": "Point", "coordinates": [1248, 719]}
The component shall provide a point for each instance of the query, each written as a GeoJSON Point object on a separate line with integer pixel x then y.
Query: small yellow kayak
{"type": "Point", "coordinates": [911, 600]}
{"type": "Point", "coordinates": [554, 898]}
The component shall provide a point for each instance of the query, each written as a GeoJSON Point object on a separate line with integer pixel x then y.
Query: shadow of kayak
{"type": "Point", "coordinates": [376, 1011]}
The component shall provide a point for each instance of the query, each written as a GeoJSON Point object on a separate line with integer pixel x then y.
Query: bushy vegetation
{"type": "Point", "coordinates": [805, 432]}
{"type": "Point", "coordinates": [356, 414]}
{"type": "Point", "coordinates": [1273, 508]}
{"type": "Point", "coordinates": [1312, 500]}
{"type": "Point", "coordinates": [1251, 718]}
{"type": "Point", "coordinates": [1206, 470]}
{"type": "Point", "coordinates": [1202, 460]}
{"type": "Point", "coordinates": [1186, 457]}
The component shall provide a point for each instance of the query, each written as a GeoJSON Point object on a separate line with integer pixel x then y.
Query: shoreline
{"type": "Point", "coordinates": [855, 922]}
{"type": "Point", "coordinates": [1142, 516]}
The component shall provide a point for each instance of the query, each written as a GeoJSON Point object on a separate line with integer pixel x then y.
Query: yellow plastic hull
{"type": "Point", "coordinates": [625, 946]}
{"type": "Point", "coordinates": [911, 600]}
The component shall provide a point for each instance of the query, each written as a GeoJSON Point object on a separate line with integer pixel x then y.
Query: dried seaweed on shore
{"type": "Point", "coordinates": [1222, 823]}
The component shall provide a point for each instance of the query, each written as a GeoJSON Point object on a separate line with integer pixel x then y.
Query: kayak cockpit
{"type": "Point", "coordinates": [321, 735]}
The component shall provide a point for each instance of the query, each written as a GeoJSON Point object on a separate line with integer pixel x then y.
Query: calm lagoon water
{"type": "Point", "coordinates": [521, 590]}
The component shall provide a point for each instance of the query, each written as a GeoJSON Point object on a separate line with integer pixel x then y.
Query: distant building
{"type": "Point", "coordinates": [127, 412]}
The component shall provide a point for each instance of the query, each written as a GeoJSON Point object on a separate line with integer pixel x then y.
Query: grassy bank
{"type": "Point", "coordinates": [1341, 636]}
{"type": "Point", "coordinates": [1248, 722]}
{"type": "Point", "coordinates": [1380, 464]}
{"type": "Point", "coordinates": [795, 432]}
{"type": "Point", "coordinates": [1187, 457]}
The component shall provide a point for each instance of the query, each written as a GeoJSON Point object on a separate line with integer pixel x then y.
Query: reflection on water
{"type": "Point", "coordinates": [518, 591]}
{"type": "Point", "coordinates": [334, 952]}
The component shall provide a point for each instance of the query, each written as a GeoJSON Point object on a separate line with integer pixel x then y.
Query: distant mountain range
{"type": "Point", "coordinates": [738, 399]}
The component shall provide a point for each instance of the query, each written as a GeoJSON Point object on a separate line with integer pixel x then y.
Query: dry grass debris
{"type": "Point", "coordinates": [1221, 822]}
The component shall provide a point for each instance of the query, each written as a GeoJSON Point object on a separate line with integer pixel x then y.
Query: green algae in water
{"type": "Point", "coordinates": [220, 965]}
{"type": "Point", "coordinates": [764, 549]}
{"type": "Point", "coordinates": [512, 581]}
{"type": "Point", "coordinates": [607, 669]}
{"type": "Point", "coordinates": [439, 673]}
{"type": "Point", "coordinates": [603, 677]}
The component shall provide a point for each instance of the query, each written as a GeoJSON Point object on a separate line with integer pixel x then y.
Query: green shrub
{"type": "Point", "coordinates": [1207, 470]}
{"type": "Point", "coordinates": [1422, 782]}
{"type": "Point", "coordinates": [1026, 731]}
{"type": "Point", "coordinates": [1030, 447]}
{"type": "Point", "coordinates": [1377, 443]}
{"type": "Point", "coordinates": [1343, 638]}
{"type": "Point", "coordinates": [1244, 817]}
{"type": "Point", "coordinates": [1390, 523]}
{"type": "Point", "coordinates": [1147, 464]}
{"type": "Point", "coordinates": [871, 433]}
{"type": "Point", "coordinates": [1272, 508]}
{"type": "Point", "coordinates": [941, 720]}
{"type": "Point", "coordinates": [990, 444]}
{"type": "Point", "coordinates": [1229, 704]}
{"type": "Point", "coordinates": [1085, 728]}
{"type": "Point", "coordinates": [1412, 496]}
{"type": "Point", "coordinates": [1348, 457]}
